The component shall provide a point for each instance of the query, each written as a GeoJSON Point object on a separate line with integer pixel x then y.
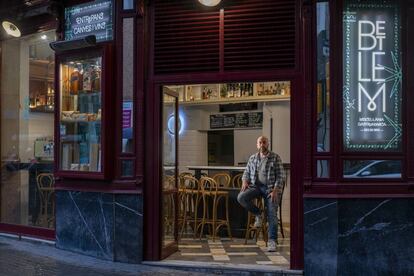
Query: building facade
{"type": "Point", "coordinates": [347, 64]}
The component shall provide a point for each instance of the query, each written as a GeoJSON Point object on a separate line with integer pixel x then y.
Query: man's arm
{"type": "Point", "coordinates": [279, 173]}
{"type": "Point", "coordinates": [246, 175]}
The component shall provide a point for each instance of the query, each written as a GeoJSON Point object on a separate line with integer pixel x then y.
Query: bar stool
{"type": "Point", "coordinates": [209, 190]}
{"type": "Point", "coordinates": [190, 198]}
{"type": "Point", "coordinates": [222, 179]}
{"type": "Point", "coordinates": [237, 181]}
{"type": "Point", "coordinates": [252, 231]}
{"type": "Point", "coordinates": [45, 184]}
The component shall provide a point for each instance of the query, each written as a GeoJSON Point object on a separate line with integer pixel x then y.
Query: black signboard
{"type": "Point", "coordinates": [372, 76]}
{"type": "Point", "coordinates": [92, 18]}
{"type": "Point", "coordinates": [236, 120]}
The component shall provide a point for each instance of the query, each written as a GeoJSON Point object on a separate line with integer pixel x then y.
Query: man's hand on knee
{"type": "Point", "coordinates": [244, 185]}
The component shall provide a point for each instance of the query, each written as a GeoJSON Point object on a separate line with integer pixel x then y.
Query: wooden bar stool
{"type": "Point", "coordinates": [210, 191]}
{"type": "Point", "coordinates": [222, 179]}
{"type": "Point", "coordinates": [190, 199]}
{"type": "Point", "coordinates": [46, 186]}
{"type": "Point", "coordinates": [237, 181]}
{"type": "Point", "coordinates": [251, 230]}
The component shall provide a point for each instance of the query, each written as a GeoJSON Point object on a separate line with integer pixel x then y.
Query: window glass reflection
{"type": "Point", "coordinates": [322, 168]}
{"type": "Point", "coordinates": [323, 112]}
{"type": "Point", "coordinates": [128, 4]}
{"type": "Point", "coordinates": [372, 169]}
{"type": "Point", "coordinates": [27, 194]}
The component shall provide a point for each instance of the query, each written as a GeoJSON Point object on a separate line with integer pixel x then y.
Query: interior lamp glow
{"type": "Point", "coordinates": [11, 29]}
{"type": "Point", "coordinates": [209, 3]}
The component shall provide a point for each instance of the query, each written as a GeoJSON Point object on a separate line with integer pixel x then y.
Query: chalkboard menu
{"type": "Point", "coordinates": [236, 120]}
{"type": "Point", "coordinates": [92, 18]}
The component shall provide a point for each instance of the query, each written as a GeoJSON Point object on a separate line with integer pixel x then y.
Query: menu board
{"type": "Point", "coordinates": [236, 120]}
{"type": "Point", "coordinates": [372, 76]}
{"type": "Point", "coordinates": [92, 18]}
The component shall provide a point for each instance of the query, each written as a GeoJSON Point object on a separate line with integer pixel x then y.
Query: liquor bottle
{"type": "Point", "coordinates": [230, 93]}
{"type": "Point", "coordinates": [238, 90]}
{"type": "Point", "coordinates": [223, 90]}
{"type": "Point", "coordinates": [87, 79]}
{"type": "Point", "coordinates": [243, 89]}
{"type": "Point", "coordinates": [96, 79]}
{"type": "Point", "coordinates": [75, 81]}
{"type": "Point", "coordinates": [204, 93]}
{"type": "Point", "coordinates": [283, 90]}
{"type": "Point", "coordinates": [251, 89]}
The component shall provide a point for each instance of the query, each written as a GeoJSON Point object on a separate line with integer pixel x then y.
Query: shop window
{"type": "Point", "coordinates": [27, 131]}
{"type": "Point", "coordinates": [372, 76]}
{"type": "Point", "coordinates": [81, 112]}
{"type": "Point", "coordinates": [323, 84]}
{"type": "Point", "coordinates": [372, 169]}
{"type": "Point", "coordinates": [322, 169]}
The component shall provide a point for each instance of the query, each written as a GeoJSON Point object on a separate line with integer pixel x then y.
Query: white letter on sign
{"type": "Point", "coordinates": [368, 35]}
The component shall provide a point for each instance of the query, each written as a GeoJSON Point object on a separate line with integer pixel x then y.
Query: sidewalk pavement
{"type": "Point", "coordinates": [28, 258]}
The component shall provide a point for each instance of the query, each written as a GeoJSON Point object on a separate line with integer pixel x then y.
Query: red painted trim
{"type": "Point", "coordinates": [221, 41]}
{"type": "Point", "coordinates": [35, 232]}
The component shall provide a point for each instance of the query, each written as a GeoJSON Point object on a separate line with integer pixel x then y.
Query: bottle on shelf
{"type": "Point", "coordinates": [76, 79]}
{"type": "Point", "coordinates": [204, 93]}
{"type": "Point", "coordinates": [238, 90]}
{"type": "Point", "coordinates": [251, 89]}
{"type": "Point", "coordinates": [96, 78]}
{"type": "Point", "coordinates": [242, 89]}
{"type": "Point", "coordinates": [230, 93]}
{"type": "Point", "coordinates": [223, 90]}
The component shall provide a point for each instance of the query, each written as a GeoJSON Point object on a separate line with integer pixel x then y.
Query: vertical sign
{"type": "Point", "coordinates": [372, 76]}
{"type": "Point", "coordinates": [92, 18]}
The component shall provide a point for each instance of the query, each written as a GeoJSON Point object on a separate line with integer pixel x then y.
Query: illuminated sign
{"type": "Point", "coordinates": [372, 76]}
{"type": "Point", "coordinates": [92, 18]}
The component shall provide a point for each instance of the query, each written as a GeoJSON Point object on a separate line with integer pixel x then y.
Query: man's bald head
{"type": "Point", "coordinates": [263, 144]}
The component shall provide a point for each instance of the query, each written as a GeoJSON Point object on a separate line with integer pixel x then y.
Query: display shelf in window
{"type": "Point", "coordinates": [81, 114]}
{"type": "Point", "coordinates": [233, 92]}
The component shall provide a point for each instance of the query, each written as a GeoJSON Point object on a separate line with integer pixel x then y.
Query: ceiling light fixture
{"type": "Point", "coordinates": [44, 37]}
{"type": "Point", "coordinates": [11, 29]}
{"type": "Point", "coordinates": [210, 3]}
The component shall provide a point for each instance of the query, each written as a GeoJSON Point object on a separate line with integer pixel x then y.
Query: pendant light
{"type": "Point", "coordinates": [11, 29]}
{"type": "Point", "coordinates": [210, 3]}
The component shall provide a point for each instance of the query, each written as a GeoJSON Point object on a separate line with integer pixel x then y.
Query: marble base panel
{"type": "Point", "coordinates": [359, 236]}
{"type": "Point", "coordinates": [107, 226]}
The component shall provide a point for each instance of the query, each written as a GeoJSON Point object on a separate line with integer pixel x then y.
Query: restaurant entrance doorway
{"type": "Point", "coordinates": [218, 126]}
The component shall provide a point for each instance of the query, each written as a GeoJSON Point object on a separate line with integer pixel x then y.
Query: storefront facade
{"type": "Point", "coordinates": [347, 63]}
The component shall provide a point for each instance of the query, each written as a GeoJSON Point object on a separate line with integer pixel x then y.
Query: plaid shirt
{"type": "Point", "coordinates": [274, 170]}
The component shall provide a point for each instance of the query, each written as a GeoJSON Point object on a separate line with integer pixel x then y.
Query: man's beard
{"type": "Point", "coordinates": [263, 150]}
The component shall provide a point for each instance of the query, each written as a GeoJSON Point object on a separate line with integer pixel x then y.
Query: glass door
{"type": "Point", "coordinates": [169, 173]}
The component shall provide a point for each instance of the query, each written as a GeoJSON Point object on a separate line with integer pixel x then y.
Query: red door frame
{"type": "Point", "coordinates": [301, 130]}
{"type": "Point", "coordinates": [152, 191]}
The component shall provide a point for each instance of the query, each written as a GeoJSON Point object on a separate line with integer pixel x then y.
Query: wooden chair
{"type": "Point", "coordinates": [254, 232]}
{"type": "Point", "coordinates": [210, 191]}
{"type": "Point", "coordinates": [46, 187]}
{"type": "Point", "coordinates": [222, 179]}
{"type": "Point", "coordinates": [190, 199]}
{"type": "Point", "coordinates": [237, 181]}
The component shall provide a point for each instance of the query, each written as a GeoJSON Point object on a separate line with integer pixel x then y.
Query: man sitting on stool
{"type": "Point", "coordinates": [263, 177]}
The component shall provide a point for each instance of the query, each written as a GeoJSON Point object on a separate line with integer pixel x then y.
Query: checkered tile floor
{"type": "Point", "coordinates": [232, 251]}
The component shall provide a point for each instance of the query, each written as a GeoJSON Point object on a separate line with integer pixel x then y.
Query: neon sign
{"type": "Point", "coordinates": [372, 76]}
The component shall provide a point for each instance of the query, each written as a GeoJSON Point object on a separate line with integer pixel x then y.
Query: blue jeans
{"type": "Point", "coordinates": [245, 199]}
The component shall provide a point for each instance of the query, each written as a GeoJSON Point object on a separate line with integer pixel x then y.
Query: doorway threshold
{"type": "Point", "coordinates": [224, 268]}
